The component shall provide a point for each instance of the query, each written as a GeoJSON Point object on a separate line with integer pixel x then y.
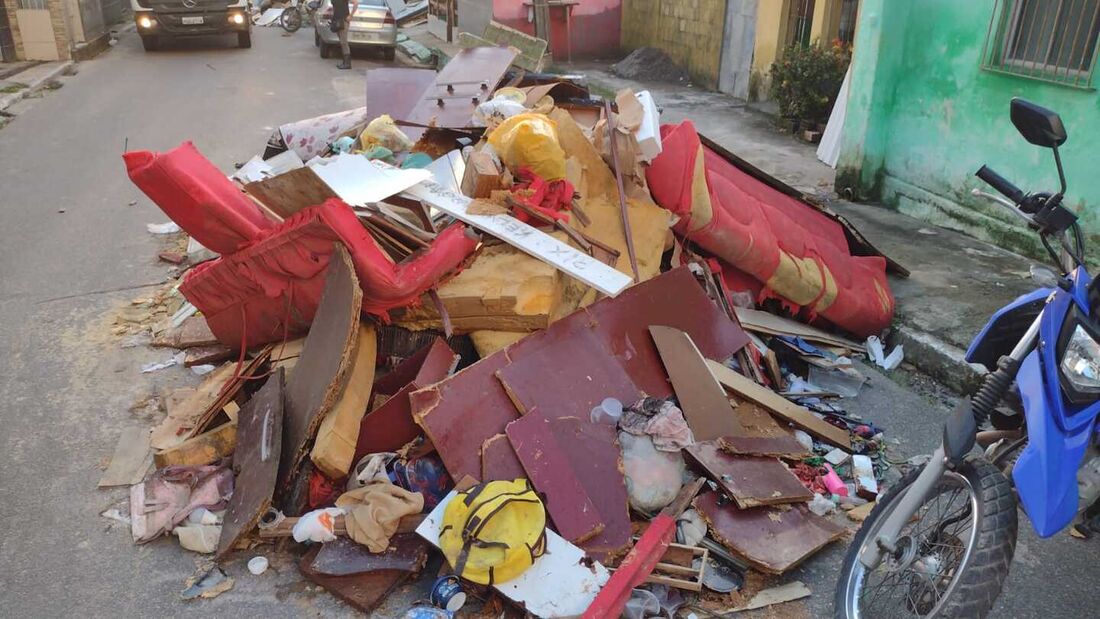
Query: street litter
{"type": "Point", "coordinates": [496, 320]}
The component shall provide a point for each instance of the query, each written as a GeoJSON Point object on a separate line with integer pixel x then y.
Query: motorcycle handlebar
{"type": "Point", "coordinates": [1001, 184]}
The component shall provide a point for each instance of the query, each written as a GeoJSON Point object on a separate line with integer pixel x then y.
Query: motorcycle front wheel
{"type": "Point", "coordinates": [950, 559]}
{"type": "Point", "coordinates": [291, 19]}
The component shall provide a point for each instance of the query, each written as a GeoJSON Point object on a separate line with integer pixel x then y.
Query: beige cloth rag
{"type": "Point", "coordinates": [374, 511]}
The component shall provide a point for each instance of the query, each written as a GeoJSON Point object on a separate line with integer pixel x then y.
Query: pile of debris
{"type": "Point", "coordinates": [469, 324]}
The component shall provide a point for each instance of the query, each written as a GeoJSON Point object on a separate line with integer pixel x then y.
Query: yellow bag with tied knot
{"type": "Point", "coordinates": [530, 141]}
{"type": "Point", "coordinates": [494, 531]}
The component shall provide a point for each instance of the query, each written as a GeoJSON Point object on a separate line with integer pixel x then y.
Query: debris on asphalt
{"type": "Point", "coordinates": [484, 323]}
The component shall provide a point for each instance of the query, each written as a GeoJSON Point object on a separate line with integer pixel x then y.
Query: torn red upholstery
{"type": "Point", "coordinates": [793, 250]}
{"type": "Point", "coordinates": [197, 195]}
{"type": "Point", "coordinates": [274, 285]}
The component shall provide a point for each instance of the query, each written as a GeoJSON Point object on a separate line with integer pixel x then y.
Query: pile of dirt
{"type": "Point", "coordinates": [650, 63]}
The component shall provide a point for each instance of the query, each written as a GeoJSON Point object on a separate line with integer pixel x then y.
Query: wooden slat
{"type": "Point", "coordinates": [706, 408]}
{"type": "Point", "coordinates": [778, 405]}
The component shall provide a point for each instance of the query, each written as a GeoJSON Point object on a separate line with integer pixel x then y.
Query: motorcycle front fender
{"type": "Point", "coordinates": [1046, 471]}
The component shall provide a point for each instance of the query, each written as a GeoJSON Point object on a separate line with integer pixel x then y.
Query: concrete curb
{"type": "Point", "coordinates": [938, 359]}
{"type": "Point", "coordinates": [10, 99]}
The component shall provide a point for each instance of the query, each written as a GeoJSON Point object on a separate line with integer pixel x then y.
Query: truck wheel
{"type": "Point", "coordinates": [326, 50]}
{"type": "Point", "coordinates": [244, 40]}
{"type": "Point", "coordinates": [150, 42]}
{"type": "Point", "coordinates": [389, 53]}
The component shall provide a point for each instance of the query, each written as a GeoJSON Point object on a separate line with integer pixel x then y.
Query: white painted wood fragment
{"type": "Point", "coordinates": [530, 240]}
{"type": "Point", "coordinates": [360, 181]}
{"type": "Point", "coordinates": [776, 595]}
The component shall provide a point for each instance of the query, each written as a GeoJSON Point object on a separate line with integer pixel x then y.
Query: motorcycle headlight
{"type": "Point", "coordinates": [1081, 361]}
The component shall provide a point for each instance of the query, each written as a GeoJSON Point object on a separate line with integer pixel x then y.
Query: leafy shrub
{"type": "Point", "coordinates": [806, 80]}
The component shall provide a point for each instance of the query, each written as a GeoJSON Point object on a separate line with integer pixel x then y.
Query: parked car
{"type": "Point", "coordinates": [372, 25]}
{"type": "Point", "coordinates": [164, 19]}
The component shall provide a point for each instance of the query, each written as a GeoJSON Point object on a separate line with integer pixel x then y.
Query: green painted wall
{"type": "Point", "coordinates": [923, 117]}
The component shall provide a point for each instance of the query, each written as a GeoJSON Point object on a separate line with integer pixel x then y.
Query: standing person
{"type": "Point", "coordinates": [342, 10]}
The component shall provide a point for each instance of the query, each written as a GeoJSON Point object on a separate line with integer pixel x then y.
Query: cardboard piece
{"type": "Point", "coordinates": [130, 461]}
{"type": "Point", "coordinates": [316, 384]}
{"type": "Point", "coordinates": [778, 405]}
{"type": "Point", "coordinates": [550, 469]}
{"type": "Point", "coordinates": [389, 424]}
{"type": "Point", "coordinates": [255, 462]}
{"type": "Point", "coordinates": [206, 448]}
{"type": "Point", "coordinates": [702, 399]}
{"type": "Point", "coordinates": [575, 581]}
{"type": "Point", "coordinates": [772, 540]}
{"type": "Point", "coordinates": [750, 481]}
{"type": "Point", "coordinates": [526, 238]}
{"type": "Point", "coordinates": [334, 449]}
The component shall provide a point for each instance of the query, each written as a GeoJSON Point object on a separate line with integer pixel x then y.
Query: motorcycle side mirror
{"type": "Point", "coordinates": [1045, 277]}
{"type": "Point", "coordinates": [1038, 125]}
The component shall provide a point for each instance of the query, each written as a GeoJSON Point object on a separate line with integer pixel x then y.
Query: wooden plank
{"type": "Point", "coordinates": [750, 481]}
{"type": "Point", "coordinates": [764, 322]}
{"type": "Point", "coordinates": [526, 238]}
{"type": "Point", "coordinates": [290, 192]}
{"type": "Point", "coordinates": [776, 595]}
{"type": "Point", "coordinates": [778, 405]}
{"type": "Point", "coordinates": [704, 402]}
{"type": "Point", "coordinates": [130, 461]}
{"type": "Point", "coordinates": [205, 448]}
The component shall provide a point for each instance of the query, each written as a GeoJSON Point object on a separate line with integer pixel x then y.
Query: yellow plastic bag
{"type": "Point", "coordinates": [530, 140]}
{"type": "Point", "coordinates": [382, 131]}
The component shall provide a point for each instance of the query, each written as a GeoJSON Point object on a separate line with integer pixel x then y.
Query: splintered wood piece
{"type": "Point", "coordinates": [290, 192]}
{"type": "Point", "coordinates": [778, 405]}
{"type": "Point", "coordinates": [206, 448]}
{"type": "Point", "coordinates": [130, 461]}
{"type": "Point", "coordinates": [318, 377]}
{"type": "Point", "coordinates": [770, 539]}
{"type": "Point", "coordinates": [255, 462]}
{"type": "Point", "coordinates": [750, 481]}
{"type": "Point", "coordinates": [549, 469]}
{"type": "Point", "coordinates": [704, 402]}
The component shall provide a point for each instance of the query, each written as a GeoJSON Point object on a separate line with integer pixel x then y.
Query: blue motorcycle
{"type": "Point", "coordinates": [940, 542]}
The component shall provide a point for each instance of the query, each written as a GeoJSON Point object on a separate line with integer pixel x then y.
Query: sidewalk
{"type": "Point", "coordinates": [17, 85]}
{"type": "Point", "coordinates": [956, 282]}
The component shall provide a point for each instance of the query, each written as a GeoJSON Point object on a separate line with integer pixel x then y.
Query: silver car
{"type": "Point", "coordinates": [372, 25]}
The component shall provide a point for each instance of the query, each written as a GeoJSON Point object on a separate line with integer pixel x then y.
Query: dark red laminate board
{"type": "Point", "coordinates": [468, 79]}
{"type": "Point", "coordinates": [773, 540]}
{"type": "Point", "coordinates": [255, 461]}
{"type": "Point", "coordinates": [364, 592]}
{"type": "Point", "coordinates": [460, 413]}
{"type": "Point", "coordinates": [568, 373]}
{"type": "Point", "coordinates": [749, 480]}
{"type": "Point", "coordinates": [672, 299]}
{"type": "Point", "coordinates": [786, 447]}
{"type": "Point", "coordinates": [550, 470]}
{"type": "Point", "coordinates": [343, 556]}
{"type": "Point", "coordinates": [499, 461]}
{"type": "Point", "coordinates": [594, 453]}
{"type": "Point", "coordinates": [702, 399]}
{"type": "Point", "coordinates": [390, 425]}
{"type": "Point", "coordinates": [395, 90]}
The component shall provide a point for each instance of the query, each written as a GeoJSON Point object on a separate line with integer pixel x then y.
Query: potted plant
{"type": "Point", "coordinates": [805, 82]}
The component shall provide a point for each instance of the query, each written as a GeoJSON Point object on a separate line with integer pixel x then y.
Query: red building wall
{"type": "Point", "coordinates": [595, 30]}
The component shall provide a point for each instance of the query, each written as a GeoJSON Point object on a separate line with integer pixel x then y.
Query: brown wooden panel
{"type": "Point", "coordinates": [344, 557]}
{"type": "Point", "coordinates": [499, 460]}
{"type": "Point", "coordinates": [395, 91]}
{"type": "Point", "coordinates": [469, 79]}
{"type": "Point", "coordinates": [290, 192]}
{"type": "Point", "coordinates": [770, 539]}
{"type": "Point", "coordinates": [255, 462]}
{"type": "Point", "coordinates": [364, 592]}
{"type": "Point", "coordinates": [702, 399]}
{"type": "Point", "coordinates": [750, 481]}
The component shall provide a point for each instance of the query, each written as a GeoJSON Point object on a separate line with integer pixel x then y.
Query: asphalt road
{"type": "Point", "coordinates": [73, 247]}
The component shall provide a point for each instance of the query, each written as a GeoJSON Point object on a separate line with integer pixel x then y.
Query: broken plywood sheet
{"type": "Point", "coordinates": [499, 460]}
{"type": "Point", "coordinates": [701, 398]}
{"type": "Point", "coordinates": [771, 539]}
{"type": "Point", "coordinates": [467, 80]}
{"type": "Point", "coordinates": [567, 375]}
{"type": "Point", "coordinates": [192, 333]}
{"type": "Point", "coordinates": [389, 424]}
{"type": "Point", "coordinates": [489, 342]}
{"type": "Point", "coordinates": [576, 581]}
{"type": "Point", "coordinates": [184, 415]}
{"type": "Point", "coordinates": [290, 192]}
{"type": "Point", "coordinates": [322, 368]}
{"type": "Point", "coordinates": [343, 557]}
{"type": "Point", "coordinates": [764, 322]}
{"type": "Point", "coordinates": [206, 448]}
{"type": "Point", "coordinates": [750, 481]}
{"type": "Point", "coordinates": [255, 462]}
{"type": "Point", "coordinates": [363, 592]}
{"type": "Point", "coordinates": [786, 447]}
{"type": "Point", "coordinates": [778, 405]}
{"type": "Point", "coordinates": [461, 412]}
{"type": "Point", "coordinates": [594, 453]}
{"type": "Point", "coordinates": [550, 469]}
{"type": "Point", "coordinates": [776, 595]}
{"type": "Point", "coordinates": [131, 459]}
{"type": "Point", "coordinates": [503, 289]}
{"type": "Point", "coordinates": [526, 238]}
{"type": "Point", "coordinates": [202, 355]}
{"type": "Point", "coordinates": [334, 450]}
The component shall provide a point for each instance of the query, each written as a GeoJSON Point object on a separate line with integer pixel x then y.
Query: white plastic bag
{"type": "Point", "coordinates": [318, 525]}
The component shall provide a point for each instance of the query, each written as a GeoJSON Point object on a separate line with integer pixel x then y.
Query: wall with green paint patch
{"type": "Point", "coordinates": [923, 116]}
